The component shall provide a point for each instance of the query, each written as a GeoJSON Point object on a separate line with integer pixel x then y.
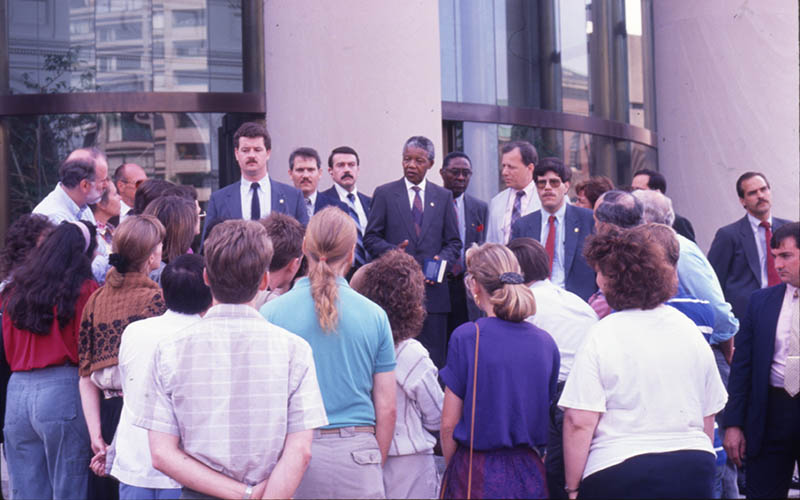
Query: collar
{"type": "Point", "coordinates": [755, 223]}
{"type": "Point", "coordinates": [304, 282]}
{"type": "Point", "coordinates": [343, 192]}
{"type": "Point", "coordinates": [421, 184]}
{"type": "Point", "coordinates": [232, 311]}
{"type": "Point", "coordinates": [559, 213]}
{"type": "Point", "coordinates": [74, 208]}
{"type": "Point", "coordinates": [175, 315]}
{"type": "Point", "coordinates": [542, 284]}
{"type": "Point", "coordinates": [313, 198]}
{"type": "Point", "coordinates": [790, 290]}
{"type": "Point", "coordinates": [263, 183]}
{"type": "Point", "coordinates": [527, 189]}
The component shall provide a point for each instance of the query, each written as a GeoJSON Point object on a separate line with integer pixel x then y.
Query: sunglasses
{"type": "Point", "coordinates": [542, 183]}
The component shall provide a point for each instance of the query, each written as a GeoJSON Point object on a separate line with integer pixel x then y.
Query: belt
{"type": "Point", "coordinates": [358, 428]}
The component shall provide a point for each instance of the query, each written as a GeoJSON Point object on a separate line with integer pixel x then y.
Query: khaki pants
{"type": "Point", "coordinates": [411, 476]}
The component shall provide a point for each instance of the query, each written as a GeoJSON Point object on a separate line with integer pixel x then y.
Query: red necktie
{"type": "Point", "coordinates": [772, 274]}
{"type": "Point", "coordinates": [550, 246]}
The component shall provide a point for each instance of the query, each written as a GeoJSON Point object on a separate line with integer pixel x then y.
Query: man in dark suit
{"type": "Point", "coordinates": [654, 181]}
{"type": "Point", "coordinates": [561, 228]}
{"type": "Point", "coordinates": [471, 217]}
{"type": "Point", "coordinates": [305, 172]}
{"type": "Point", "coordinates": [343, 166]}
{"type": "Point", "coordinates": [417, 216]}
{"type": "Point", "coordinates": [256, 195]}
{"type": "Point", "coordinates": [763, 410]}
{"type": "Point", "coordinates": [740, 252]}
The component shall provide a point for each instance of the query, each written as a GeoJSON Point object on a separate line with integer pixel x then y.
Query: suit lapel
{"type": "Point", "coordinates": [403, 208]}
{"type": "Point", "coordinates": [537, 225]}
{"type": "Point", "coordinates": [571, 233]}
{"type": "Point", "coordinates": [749, 247]}
{"type": "Point", "coordinates": [470, 233]}
{"type": "Point", "coordinates": [234, 201]}
{"type": "Point", "coordinates": [429, 208]}
{"type": "Point", "coordinates": [278, 199]}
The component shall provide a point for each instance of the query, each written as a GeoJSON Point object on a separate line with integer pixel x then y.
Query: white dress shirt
{"type": "Point", "coordinates": [529, 190]}
{"type": "Point", "coordinates": [362, 214]}
{"type": "Point", "coordinates": [557, 274]}
{"type": "Point", "coordinates": [264, 197]}
{"type": "Point", "coordinates": [124, 210]}
{"type": "Point", "coordinates": [759, 233]}
{"type": "Point", "coordinates": [462, 223]}
{"type": "Point", "coordinates": [782, 332]}
{"type": "Point", "coordinates": [412, 193]}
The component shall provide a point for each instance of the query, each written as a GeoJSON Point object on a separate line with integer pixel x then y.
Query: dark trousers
{"type": "Point", "coordinates": [458, 314]}
{"type": "Point", "coordinates": [676, 474]}
{"type": "Point", "coordinates": [554, 459]}
{"type": "Point", "coordinates": [769, 473]}
{"type": "Point", "coordinates": [106, 488]}
{"type": "Point", "coordinates": [434, 337]}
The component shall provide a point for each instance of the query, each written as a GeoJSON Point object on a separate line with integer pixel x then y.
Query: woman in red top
{"type": "Point", "coordinates": [46, 439]}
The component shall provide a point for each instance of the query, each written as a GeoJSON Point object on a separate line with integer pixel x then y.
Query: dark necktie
{"type": "Point", "coordinates": [361, 253]}
{"type": "Point", "coordinates": [516, 212]}
{"type": "Point", "coordinates": [772, 274]}
{"type": "Point", "coordinates": [458, 266]}
{"type": "Point", "coordinates": [550, 245]}
{"type": "Point", "coordinates": [255, 204]}
{"type": "Point", "coordinates": [416, 212]}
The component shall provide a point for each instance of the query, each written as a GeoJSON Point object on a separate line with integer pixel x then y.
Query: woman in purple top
{"type": "Point", "coordinates": [516, 378]}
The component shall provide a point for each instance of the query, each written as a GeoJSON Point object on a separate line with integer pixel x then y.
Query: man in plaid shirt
{"type": "Point", "coordinates": [231, 402]}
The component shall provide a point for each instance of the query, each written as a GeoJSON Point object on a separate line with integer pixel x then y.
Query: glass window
{"type": "Point", "coordinates": [124, 45]}
{"type": "Point", "coordinates": [180, 147]}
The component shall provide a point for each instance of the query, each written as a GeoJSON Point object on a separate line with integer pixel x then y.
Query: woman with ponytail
{"type": "Point", "coordinates": [46, 442]}
{"type": "Point", "coordinates": [500, 377]}
{"type": "Point", "coordinates": [128, 295]}
{"type": "Point", "coordinates": [354, 356]}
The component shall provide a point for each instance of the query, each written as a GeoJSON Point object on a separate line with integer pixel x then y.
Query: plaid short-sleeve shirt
{"type": "Point", "coordinates": [232, 386]}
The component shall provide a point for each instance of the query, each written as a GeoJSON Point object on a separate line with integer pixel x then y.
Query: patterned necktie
{"type": "Point", "coordinates": [772, 274]}
{"type": "Point", "coordinates": [791, 371]}
{"type": "Point", "coordinates": [361, 253]}
{"type": "Point", "coordinates": [416, 212]}
{"type": "Point", "coordinates": [255, 204]}
{"type": "Point", "coordinates": [309, 208]}
{"type": "Point", "coordinates": [516, 211]}
{"type": "Point", "coordinates": [550, 245]}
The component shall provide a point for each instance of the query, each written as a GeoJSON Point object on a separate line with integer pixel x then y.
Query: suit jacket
{"type": "Point", "coordinates": [475, 215]}
{"type": "Point", "coordinates": [366, 201]}
{"type": "Point", "coordinates": [682, 226]}
{"type": "Point", "coordinates": [391, 222]}
{"type": "Point", "coordinates": [579, 278]}
{"type": "Point", "coordinates": [734, 257]}
{"type": "Point", "coordinates": [325, 200]}
{"type": "Point", "coordinates": [497, 212]}
{"type": "Point", "coordinates": [226, 203]}
{"type": "Point", "coordinates": [749, 379]}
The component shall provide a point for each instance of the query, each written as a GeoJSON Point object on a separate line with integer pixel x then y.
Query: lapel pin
{"type": "Point", "coordinates": [431, 203]}
{"type": "Point", "coordinates": [280, 201]}
{"type": "Point", "coordinates": [577, 230]}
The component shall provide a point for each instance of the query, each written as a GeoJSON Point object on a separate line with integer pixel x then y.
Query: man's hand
{"type": "Point", "coordinates": [431, 282]}
{"type": "Point", "coordinates": [98, 464]}
{"type": "Point", "coordinates": [734, 444]}
{"type": "Point", "coordinates": [402, 245]}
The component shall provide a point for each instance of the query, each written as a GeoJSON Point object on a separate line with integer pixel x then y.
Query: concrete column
{"type": "Point", "coordinates": [352, 72]}
{"type": "Point", "coordinates": [727, 96]}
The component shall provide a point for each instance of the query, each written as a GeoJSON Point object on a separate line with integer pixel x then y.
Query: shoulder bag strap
{"type": "Point", "coordinates": [472, 418]}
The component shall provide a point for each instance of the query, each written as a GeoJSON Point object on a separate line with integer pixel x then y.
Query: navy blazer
{"type": "Point", "coordinates": [226, 203]}
{"type": "Point", "coordinates": [324, 200]}
{"type": "Point", "coordinates": [391, 222]}
{"type": "Point", "coordinates": [734, 257]}
{"type": "Point", "coordinates": [752, 360]}
{"type": "Point", "coordinates": [578, 224]}
{"type": "Point", "coordinates": [475, 213]}
{"type": "Point", "coordinates": [366, 201]}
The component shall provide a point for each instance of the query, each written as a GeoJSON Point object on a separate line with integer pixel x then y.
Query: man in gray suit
{"type": "Point", "coordinates": [740, 252]}
{"type": "Point", "coordinates": [256, 195]}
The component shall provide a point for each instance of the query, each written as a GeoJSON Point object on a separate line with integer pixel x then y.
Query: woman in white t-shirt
{"type": "Point", "coordinates": [643, 391]}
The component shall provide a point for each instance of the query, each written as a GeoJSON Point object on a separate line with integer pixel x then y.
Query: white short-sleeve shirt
{"type": "Point", "coordinates": [652, 376]}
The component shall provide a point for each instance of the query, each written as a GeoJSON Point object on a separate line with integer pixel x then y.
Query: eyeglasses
{"type": "Point", "coordinates": [136, 184]}
{"type": "Point", "coordinates": [554, 182]}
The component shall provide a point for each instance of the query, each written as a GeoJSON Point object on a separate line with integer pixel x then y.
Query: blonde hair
{"type": "Point", "coordinates": [135, 240]}
{"type": "Point", "coordinates": [330, 237]}
{"type": "Point", "coordinates": [486, 263]}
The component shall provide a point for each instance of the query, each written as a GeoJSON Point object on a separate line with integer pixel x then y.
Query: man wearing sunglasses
{"type": "Point", "coordinates": [128, 177]}
{"type": "Point", "coordinates": [561, 228]}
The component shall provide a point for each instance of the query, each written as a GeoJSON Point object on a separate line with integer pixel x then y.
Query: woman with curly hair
{"type": "Point", "coordinates": [644, 388]}
{"type": "Point", "coordinates": [127, 296]}
{"type": "Point", "coordinates": [500, 377]}
{"type": "Point", "coordinates": [396, 283]}
{"type": "Point", "coordinates": [22, 236]}
{"type": "Point", "coordinates": [354, 358]}
{"type": "Point", "coordinates": [46, 443]}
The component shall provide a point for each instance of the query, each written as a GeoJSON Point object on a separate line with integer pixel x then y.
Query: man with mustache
{"type": "Point", "coordinates": [417, 216]}
{"type": "Point", "coordinates": [561, 228]}
{"type": "Point", "coordinates": [344, 166]}
{"type": "Point", "coordinates": [740, 252]}
{"type": "Point", "coordinates": [256, 195]}
{"type": "Point", "coordinates": [305, 172]}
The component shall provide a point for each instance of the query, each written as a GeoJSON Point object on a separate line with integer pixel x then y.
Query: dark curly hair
{"type": "Point", "coordinates": [396, 283]}
{"type": "Point", "coordinates": [635, 269]}
{"type": "Point", "coordinates": [50, 280]}
{"type": "Point", "coordinates": [21, 238]}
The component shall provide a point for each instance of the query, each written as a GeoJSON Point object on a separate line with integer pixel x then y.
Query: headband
{"type": "Point", "coordinates": [84, 231]}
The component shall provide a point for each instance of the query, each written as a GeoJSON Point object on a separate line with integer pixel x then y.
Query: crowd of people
{"type": "Point", "coordinates": [291, 342]}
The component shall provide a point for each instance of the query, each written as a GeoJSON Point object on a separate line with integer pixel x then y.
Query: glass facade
{"type": "Point", "coordinates": [586, 64]}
